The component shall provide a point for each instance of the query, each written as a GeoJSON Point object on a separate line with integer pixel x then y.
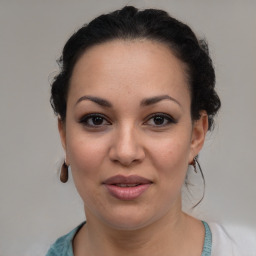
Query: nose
{"type": "Point", "coordinates": [126, 148]}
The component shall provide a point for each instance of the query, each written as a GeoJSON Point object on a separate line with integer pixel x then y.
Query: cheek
{"type": "Point", "coordinates": [170, 158]}
{"type": "Point", "coordinates": [86, 157]}
{"type": "Point", "coordinates": [85, 154]}
{"type": "Point", "coordinates": [172, 151]}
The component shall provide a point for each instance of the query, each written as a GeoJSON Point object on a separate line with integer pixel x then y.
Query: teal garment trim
{"type": "Point", "coordinates": [207, 250]}
{"type": "Point", "coordinates": [63, 246]}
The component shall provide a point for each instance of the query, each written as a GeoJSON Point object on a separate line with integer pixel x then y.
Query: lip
{"type": "Point", "coordinates": [127, 187]}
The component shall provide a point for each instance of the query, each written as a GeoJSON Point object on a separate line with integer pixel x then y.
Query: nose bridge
{"type": "Point", "coordinates": [127, 138]}
{"type": "Point", "coordinates": [126, 147]}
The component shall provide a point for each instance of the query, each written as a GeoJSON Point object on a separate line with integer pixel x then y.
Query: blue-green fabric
{"type": "Point", "coordinates": [207, 250]}
{"type": "Point", "coordinates": [63, 246]}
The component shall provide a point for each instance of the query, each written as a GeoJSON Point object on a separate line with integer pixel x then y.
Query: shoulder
{"type": "Point", "coordinates": [63, 245]}
{"type": "Point", "coordinates": [232, 240]}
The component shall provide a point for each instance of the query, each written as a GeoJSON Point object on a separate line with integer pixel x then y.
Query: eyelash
{"type": "Point", "coordinates": [167, 120]}
{"type": "Point", "coordinates": [85, 120]}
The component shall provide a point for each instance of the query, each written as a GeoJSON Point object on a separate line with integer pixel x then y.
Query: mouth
{"type": "Point", "coordinates": [127, 187]}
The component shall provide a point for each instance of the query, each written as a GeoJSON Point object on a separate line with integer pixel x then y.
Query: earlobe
{"type": "Point", "coordinates": [62, 132]}
{"type": "Point", "coordinates": [200, 128]}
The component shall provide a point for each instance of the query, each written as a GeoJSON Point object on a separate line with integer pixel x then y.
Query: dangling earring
{"type": "Point", "coordinates": [64, 173]}
{"type": "Point", "coordinates": [194, 162]}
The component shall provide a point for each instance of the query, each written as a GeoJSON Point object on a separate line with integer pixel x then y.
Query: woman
{"type": "Point", "coordinates": [135, 98]}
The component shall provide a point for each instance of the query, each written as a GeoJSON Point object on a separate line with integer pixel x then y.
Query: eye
{"type": "Point", "coordinates": [94, 120]}
{"type": "Point", "coordinates": [160, 119]}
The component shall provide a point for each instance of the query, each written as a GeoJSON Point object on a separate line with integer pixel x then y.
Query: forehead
{"type": "Point", "coordinates": [131, 66]}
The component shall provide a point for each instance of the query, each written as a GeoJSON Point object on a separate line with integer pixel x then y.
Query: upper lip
{"type": "Point", "coordinates": [132, 179]}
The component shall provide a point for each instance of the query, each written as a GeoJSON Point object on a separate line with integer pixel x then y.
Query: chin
{"type": "Point", "coordinates": [129, 220]}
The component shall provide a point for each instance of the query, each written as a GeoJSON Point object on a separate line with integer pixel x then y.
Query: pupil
{"type": "Point", "coordinates": [158, 120]}
{"type": "Point", "coordinates": [97, 120]}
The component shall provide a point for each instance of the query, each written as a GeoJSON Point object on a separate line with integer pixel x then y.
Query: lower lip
{"type": "Point", "coordinates": [127, 193]}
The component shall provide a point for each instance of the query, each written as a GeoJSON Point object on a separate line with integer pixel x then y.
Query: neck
{"type": "Point", "coordinates": [164, 236]}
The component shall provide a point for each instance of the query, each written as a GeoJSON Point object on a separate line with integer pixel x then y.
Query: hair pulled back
{"type": "Point", "coordinates": [127, 24]}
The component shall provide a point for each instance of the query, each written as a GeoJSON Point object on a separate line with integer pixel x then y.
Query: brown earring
{"type": "Point", "coordinates": [196, 165]}
{"type": "Point", "coordinates": [194, 162]}
{"type": "Point", "coordinates": [64, 173]}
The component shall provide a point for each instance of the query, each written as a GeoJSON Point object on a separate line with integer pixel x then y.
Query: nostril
{"type": "Point", "coordinates": [126, 148]}
{"type": "Point", "coordinates": [126, 160]}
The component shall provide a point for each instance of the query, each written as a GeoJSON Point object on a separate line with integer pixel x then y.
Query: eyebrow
{"type": "Point", "coordinates": [144, 102]}
{"type": "Point", "coordinates": [99, 101]}
{"type": "Point", "coordinates": [156, 99]}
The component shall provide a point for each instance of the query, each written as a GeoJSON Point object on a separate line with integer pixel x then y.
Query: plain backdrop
{"type": "Point", "coordinates": [35, 208]}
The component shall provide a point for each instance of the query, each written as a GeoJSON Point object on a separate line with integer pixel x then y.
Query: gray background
{"type": "Point", "coordinates": [35, 207]}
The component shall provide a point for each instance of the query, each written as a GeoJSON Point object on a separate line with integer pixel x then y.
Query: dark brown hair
{"type": "Point", "coordinates": [156, 25]}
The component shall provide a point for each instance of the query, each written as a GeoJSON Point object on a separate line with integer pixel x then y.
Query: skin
{"type": "Point", "coordinates": [127, 140]}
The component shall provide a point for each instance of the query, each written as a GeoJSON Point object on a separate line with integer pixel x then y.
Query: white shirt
{"type": "Point", "coordinates": [232, 241]}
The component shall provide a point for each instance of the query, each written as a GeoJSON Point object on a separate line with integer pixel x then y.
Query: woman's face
{"type": "Point", "coordinates": [128, 133]}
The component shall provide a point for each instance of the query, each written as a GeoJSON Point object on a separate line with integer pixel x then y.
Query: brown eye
{"type": "Point", "coordinates": [97, 120]}
{"type": "Point", "coordinates": [160, 120]}
{"type": "Point", "coordinates": [94, 120]}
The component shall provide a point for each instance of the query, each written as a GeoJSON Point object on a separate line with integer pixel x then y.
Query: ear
{"type": "Point", "coordinates": [62, 132]}
{"type": "Point", "coordinates": [199, 130]}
